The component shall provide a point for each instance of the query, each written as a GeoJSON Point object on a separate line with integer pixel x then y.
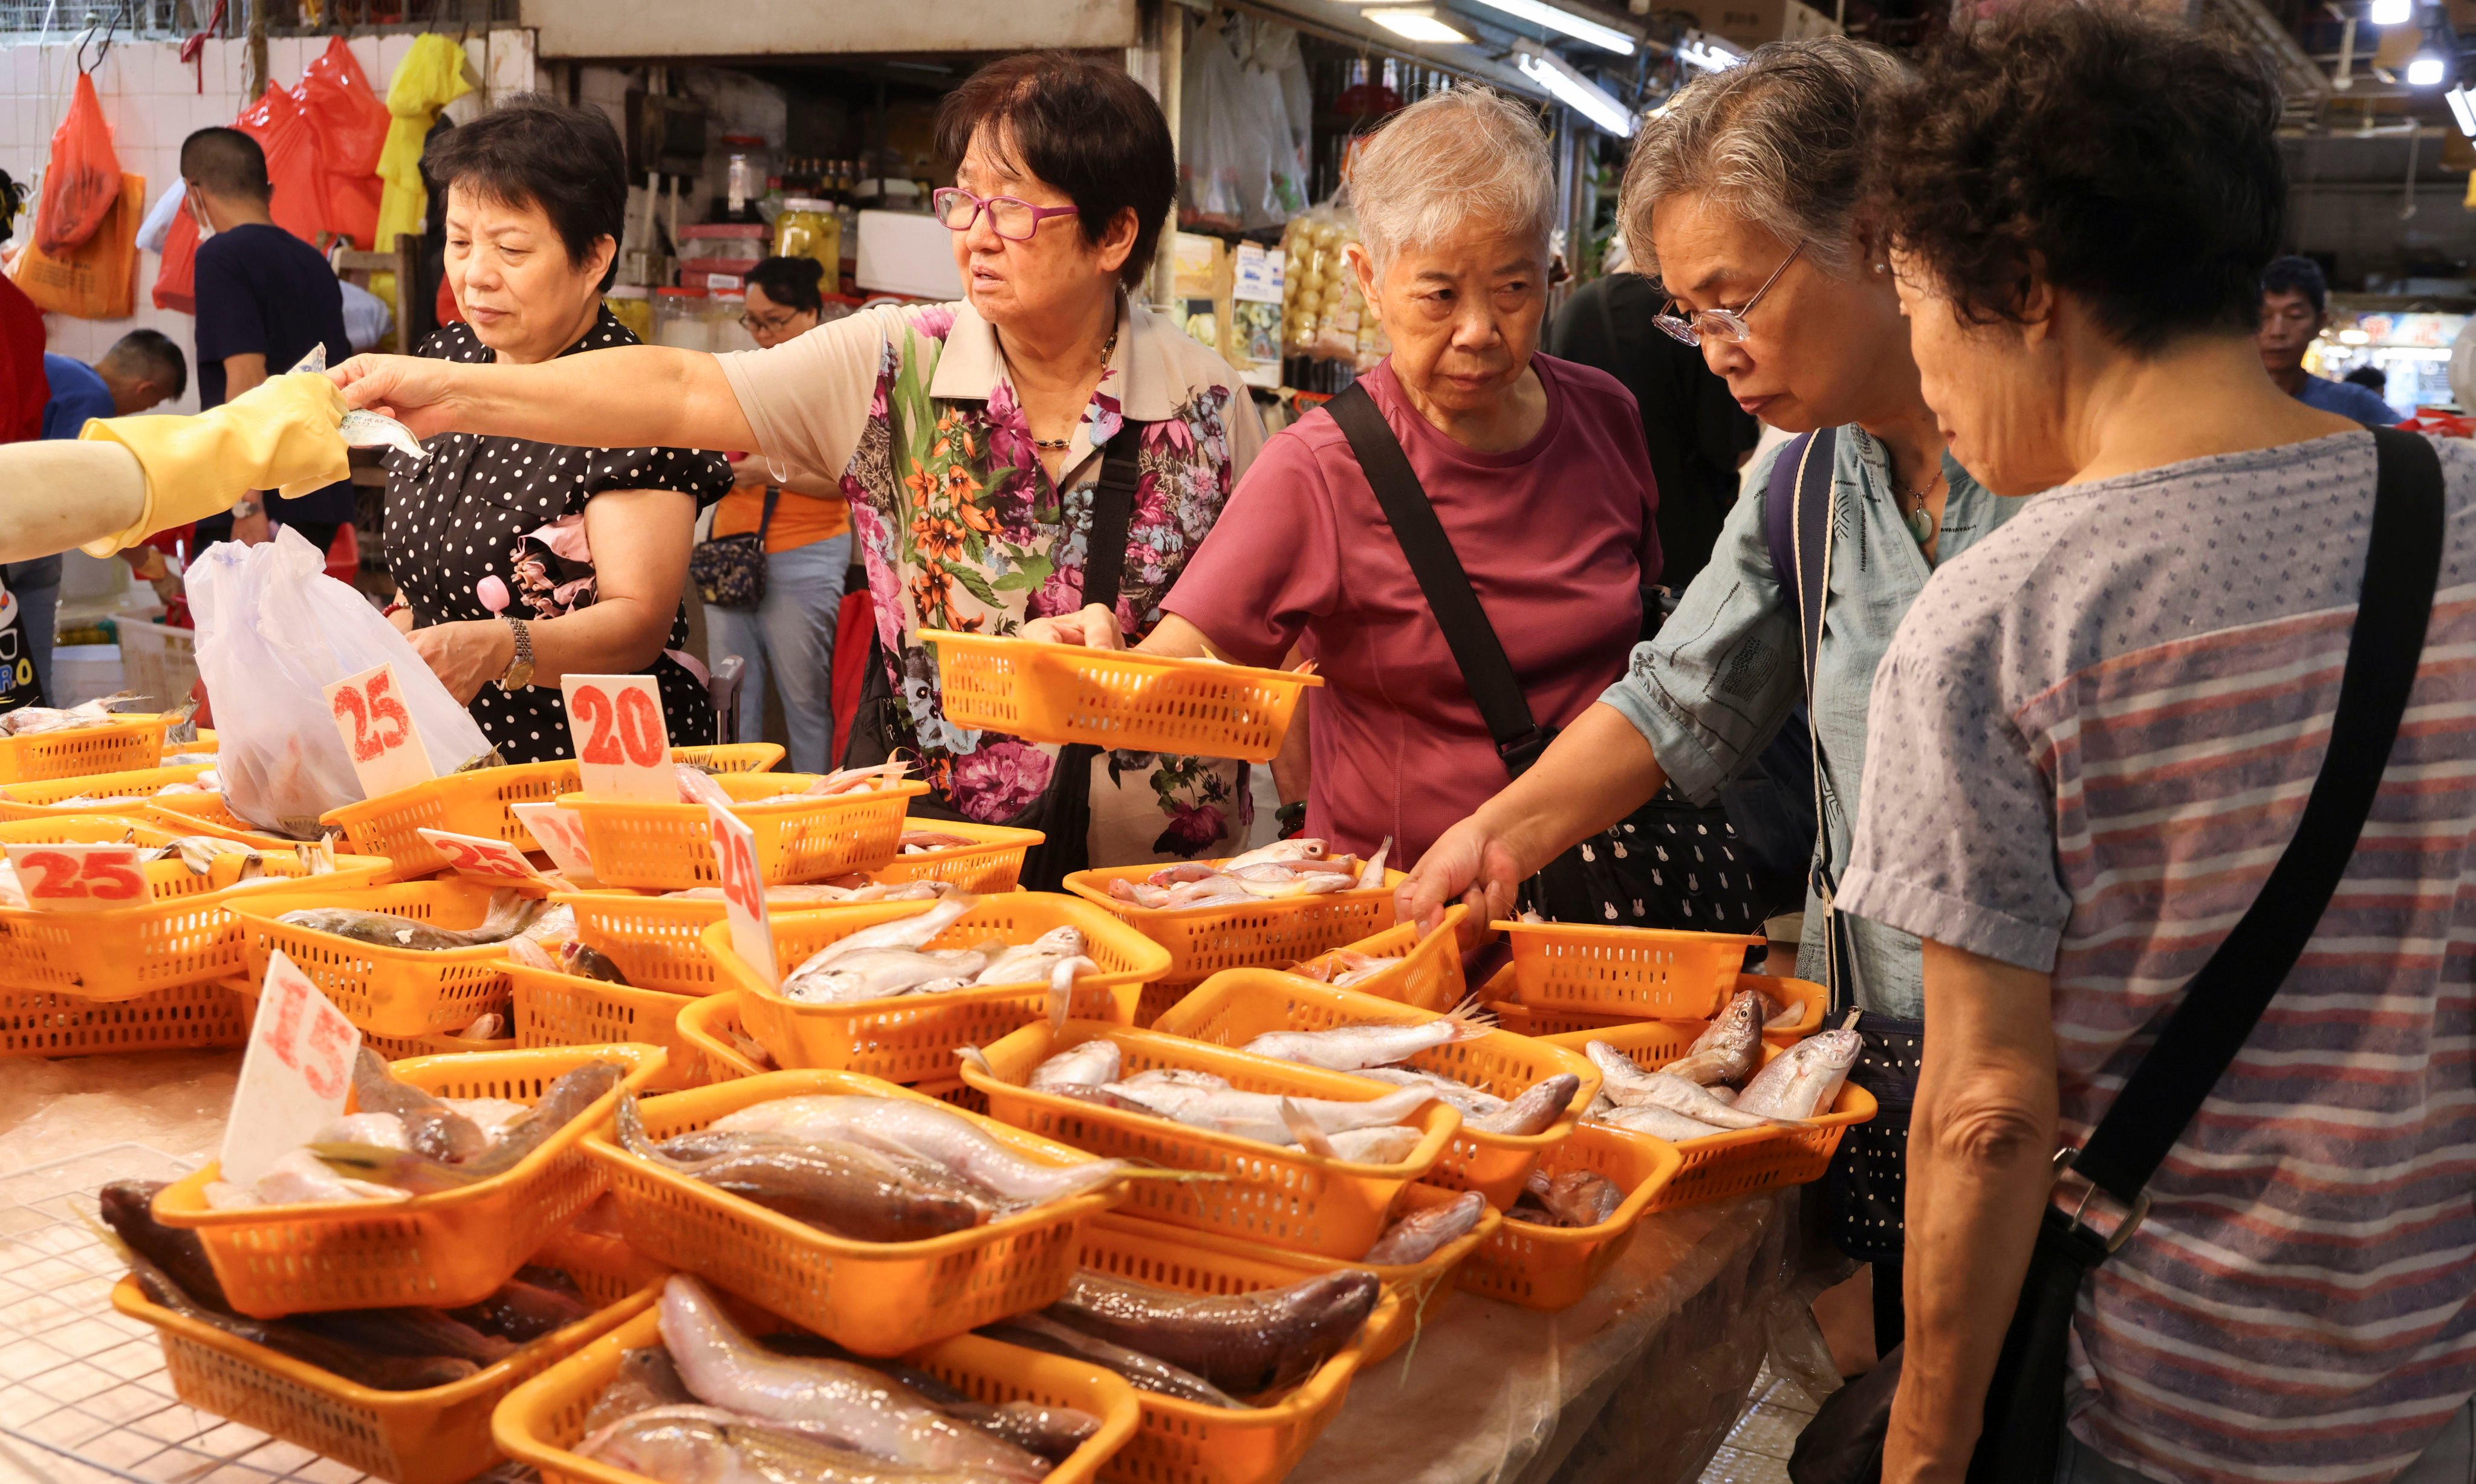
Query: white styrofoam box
{"type": "Point", "coordinates": [82, 672]}
{"type": "Point", "coordinates": [907, 252]}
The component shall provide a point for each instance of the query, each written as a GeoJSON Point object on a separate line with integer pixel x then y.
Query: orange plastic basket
{"type": "Point", "coordinates": [36, 799]}
{"type": "Point", "coordinates": [669, 847]}
{"type": "Point", "coordinates": [703, 1026]}
{"type": "Point", "coordinates": [1808, 997]}
{"type": "Point", "coordinates": [39, 1023]}
{"type": "Point", "coordinates": [446, 1250]}
{"type": "Point", "coordinates": [992, 862]}
{"type": "Point", "coordinates": [1186, 1441]}
{"type": "Point", "coordinates": [188, 933]}
{"type": "Point", "coordinates": [117, 743]}
{"type": "Point", "coordinates": [567, 1009]}
{"type": "Point", "coordinates": [476, 803]}
{"type": "Point", "coordinates": [1114, 699]}
{"type": "Point", "coordinates": [87, 829]}
{"type": "Point", "coordinates": [1541, 1266]}
{"type": "Point", "coordinates": [1233, 1008]}
{"type": "Point", "coordinates": [875, 1297]}
{"type": "Point", "coordinates": [396, 992]}
{"type": "Point", "coordinates": [1274, 933]}
{"type": "Point", "coordinates": [1743, 1160]}
{"type": "Point", "coordinates": [437, 1436]}
{"type": "Point", "coordinates": [1646, 972]}
{"type": "Point", "coordinates": [445, 1043]}
{"type": "Point", "coordinates": [1429, 975]}
{"type": "Point", "coordinates": [909, 1037]}
{"type": "Point", "coordinates": [542, 1420]}
{"type": "Point", "coordinates": [1278, 1195]}
{"type": "Point", "coordinates": [211, 814]}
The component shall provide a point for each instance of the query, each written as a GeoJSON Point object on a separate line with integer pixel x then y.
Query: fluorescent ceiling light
{"type": "Point", "coordinates": [1582, 28]}
{"type": "Point", "coordinates": [1577, 91]}
{"type": "Point", "coordinates": [2392, 12]}
{"type": "Point", "coordinates": [2425, 70]}
{"type": "Point", "coordinates": [2462, 109]}
{"type": "Point", "coordinates": [1708, 53]}
{"type": "Point", "coordinates": [1416, 24]}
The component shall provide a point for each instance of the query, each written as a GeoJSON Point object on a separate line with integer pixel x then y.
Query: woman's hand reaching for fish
{"type": "Point", "coordinates": [465, 657]}
{"type": "Point", "coordinates": [416, 390]}
{"type": "Point", "coordinates": [1470, 863]}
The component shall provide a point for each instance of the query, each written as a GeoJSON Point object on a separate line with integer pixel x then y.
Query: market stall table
{"type": "Point", "coordinates": [1640, 1382]}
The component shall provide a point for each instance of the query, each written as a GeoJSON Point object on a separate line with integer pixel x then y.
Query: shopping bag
{"type": "Point", "coordinates": [275, 632]}
{"type": "Point", "coordinates": [18, 684]}
{"type": "Point", "coordinates": [176, 277]}
{"type": "Point", "coordinates": [82, 183]}
{"type": "Point", "coordinates": [98, 278]}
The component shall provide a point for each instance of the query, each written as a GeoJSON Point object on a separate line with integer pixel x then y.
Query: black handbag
{"type": "Point", "coordinates": [1063, 811]}
{"type": "Point", "coordinates": [2024, 1427]}
{"type": "Point", "coordinates": [730, 571]}
{"type": "Point", "coordinates": [1668, 864]}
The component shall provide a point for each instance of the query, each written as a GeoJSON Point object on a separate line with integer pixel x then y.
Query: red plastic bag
{"type": "Point", "coordinates": [291, 146]}
{"type": "Point", "coordinates": [81, 184]}
{"type": "Point", "coordinates": [350, 125]}
{"type": "Point", "coordinates": [176, 278]}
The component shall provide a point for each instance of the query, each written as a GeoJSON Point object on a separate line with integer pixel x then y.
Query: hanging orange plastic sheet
{"type": "Point", "coordinates": [82, 183]}
{"type": "Point", "coordinates": [299, 203]}
{"type": "Point", "coordinates": [98, 278]}
{"type": "Point", "coordinates": [350, 126]}
{"type": "Point", "coordinates": [176, 277]}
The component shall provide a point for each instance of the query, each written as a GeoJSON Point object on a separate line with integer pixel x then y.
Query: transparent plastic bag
{"type": "Point", "coordinates": [274, 632]}
{"type": "Point", "coordinates": [82, 181]}
{"type": "Point", "coordinates": [1212, 156]}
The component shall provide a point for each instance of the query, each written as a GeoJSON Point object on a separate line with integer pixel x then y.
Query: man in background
{"type": "Point", "coordinates": [2294, 306]}
{"type": "Point", "coordinates": [142, 369]}
{"type": "Point", "coordinates": [265, 299]}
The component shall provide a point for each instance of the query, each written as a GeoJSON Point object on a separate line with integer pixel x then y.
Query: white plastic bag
{"type": "Point", "coordinates": [274, 632]}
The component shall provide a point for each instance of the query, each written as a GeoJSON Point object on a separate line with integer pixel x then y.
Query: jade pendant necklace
{"type": "Point", "coordinates": [1921, 521]}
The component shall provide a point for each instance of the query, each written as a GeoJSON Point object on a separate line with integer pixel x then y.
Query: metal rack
{"type": "Point", "coordinates": [82, 1394]}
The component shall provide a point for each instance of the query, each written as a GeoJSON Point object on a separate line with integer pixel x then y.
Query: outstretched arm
{"type": "Point", "coordinates": [66, 493]}
{"type": "Point", "coordinates": [624, 396]}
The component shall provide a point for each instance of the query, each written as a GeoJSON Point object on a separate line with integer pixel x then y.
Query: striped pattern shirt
{"type": "Point", "coordinates": [2092, 739]}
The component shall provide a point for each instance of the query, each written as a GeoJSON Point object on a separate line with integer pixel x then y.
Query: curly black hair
{"type": "Point", "coordinates": [2126, 161]}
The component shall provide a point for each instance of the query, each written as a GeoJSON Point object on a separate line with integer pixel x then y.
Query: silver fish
{"type": "Point", "coordinates": [1029, 963]}
{"type": "Point", "coordinates": [1804, 1079]}
{"type": "Point", "coordinates": [921, 1130]}
{"type": "Point", "coordinates": [1727, 1051]}
{"type": "Point", "coordinates": [1093, 1064]}
{"type": "Point", "coordinates": [362, 428]}
{"type": "Point", "coordinates": [509, 914]}
{"type": "Point", "coordinates": [1535, 1111]}
{"type": "Point", "coordinates": [865, 1409]}
{"type": "Point", "coordinates": [1258, 1116]}
{"type": "Point", "coordinates": [1349, 1048]}
{"type": "Point", "coordinates": [1657, 1122]}
{"type": "Point", "coordinates": [1631, 1086]}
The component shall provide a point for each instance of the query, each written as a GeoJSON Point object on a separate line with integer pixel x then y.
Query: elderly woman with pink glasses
{"type": "Point", "coordinates": [971, 438]}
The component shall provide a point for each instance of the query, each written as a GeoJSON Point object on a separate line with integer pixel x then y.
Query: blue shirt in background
{"type": "Point", "coordinates": [2348, 400]}
{"type": "Point", "coordinates": [263, 291]}
{"type": "Point", "coordinates": [77, 394]}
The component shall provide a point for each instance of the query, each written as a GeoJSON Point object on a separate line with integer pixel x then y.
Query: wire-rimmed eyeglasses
{"type": "Point", "coordinates": [1014, 219]}
{"type": "Point", "coordinates": [1723, 323]}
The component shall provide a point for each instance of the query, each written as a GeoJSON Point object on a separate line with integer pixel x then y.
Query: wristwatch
{"type": "Point", "coordinates": [520, 670]}
{"type": "Point", "coordinates": [243, 510]}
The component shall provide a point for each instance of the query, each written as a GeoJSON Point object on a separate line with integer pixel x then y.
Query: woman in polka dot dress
{"type": "Point", "coordinates": [518, 562]}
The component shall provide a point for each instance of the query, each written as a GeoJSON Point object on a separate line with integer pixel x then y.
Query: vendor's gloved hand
{"type": "Point", "coordinates": [280, 435]}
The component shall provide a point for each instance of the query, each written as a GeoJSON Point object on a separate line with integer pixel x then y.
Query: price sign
{"type": "Point", "coordinates": [620, 741]}
{"type": "Point", "coordinates": [80, 877]}
{"type": "Point", "coordinates": [378, 732]}
{"type": "Point", "coordinates": [293, 1077]}
{"type": "Point", "coordinates": [473, 855]}
{"type": "Point", "coordinates": [560, 834]}
{"type": "Point", "coordinates": [743, 892]}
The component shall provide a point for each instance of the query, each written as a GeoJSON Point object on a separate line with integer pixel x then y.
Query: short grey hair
{"type": "Point", "coordinates": [1781, 139]}
{"type": "Point", "coordinates": [1466, 152]}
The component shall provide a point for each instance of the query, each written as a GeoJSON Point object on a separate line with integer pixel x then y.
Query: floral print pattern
{"type": "Point", "coordinates": [959, 521]}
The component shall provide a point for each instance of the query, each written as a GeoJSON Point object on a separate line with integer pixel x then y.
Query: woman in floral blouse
{"type": "Point", "coordinates": [967, 436]}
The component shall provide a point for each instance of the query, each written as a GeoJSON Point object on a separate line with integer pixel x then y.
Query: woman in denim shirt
{"type": "Point", "coordinates": [1744, 201]}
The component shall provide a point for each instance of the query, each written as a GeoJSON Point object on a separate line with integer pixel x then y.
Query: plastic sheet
{"type": "Point", "coordinates": [81, 180]}
{"type": "Point", "coordinates": [173, 1100]}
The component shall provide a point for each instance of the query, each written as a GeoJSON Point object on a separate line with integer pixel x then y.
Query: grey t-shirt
{"type": "Point", "coordinates": [2090, 741]}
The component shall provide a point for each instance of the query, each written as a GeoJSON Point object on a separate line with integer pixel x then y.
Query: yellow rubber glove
{"type": "Point", "coordinates": [280, 435]}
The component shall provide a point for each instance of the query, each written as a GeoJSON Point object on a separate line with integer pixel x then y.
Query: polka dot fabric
{"type": "Point", "coordinates": [458, 518]}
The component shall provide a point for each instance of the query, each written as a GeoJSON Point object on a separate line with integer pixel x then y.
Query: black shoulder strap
{"type": "Point", "coordinates": [2227, 998]}
{"type": "Point", "coordinates": [1113, 511]}
{"type": "Point", "coordinates": [765, 522]}
{"type": "Point", "coordinates": [1816, 494]}
{"type": "Point", "coordinates": [1476, 650]}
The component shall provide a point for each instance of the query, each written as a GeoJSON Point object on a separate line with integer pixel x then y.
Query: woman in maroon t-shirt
{"type": "Point", "coordinates": [1535, 466]}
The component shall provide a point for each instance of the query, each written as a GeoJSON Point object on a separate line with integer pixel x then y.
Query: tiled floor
{"type": "Point", "coordinates": [1758, 1446]}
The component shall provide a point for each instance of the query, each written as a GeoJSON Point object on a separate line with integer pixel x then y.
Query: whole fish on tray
{"type": "Point", "coordinates": [28, 721]}
{"type": "Point", "coordinates": [1420, 1234]}
{"type": "Point", "coordinates": [1692, 1096]}
{"type": "Point", "coordinates": [1571, 1197]}
{"type": "Point", "coordinates": [1284, 868]}
{"type": "Point", "coordinates": [1242, 1343]}
{"type": "Point", "coordinates": [1205, 1101]}
{"type": "Point", "coordinates": [892, 959]}
{"type": "Point", "coordinates": [509, 914]}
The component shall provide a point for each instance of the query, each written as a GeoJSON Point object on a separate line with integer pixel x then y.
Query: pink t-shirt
{"type": "Point", "coordinates": [1557, 537]}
